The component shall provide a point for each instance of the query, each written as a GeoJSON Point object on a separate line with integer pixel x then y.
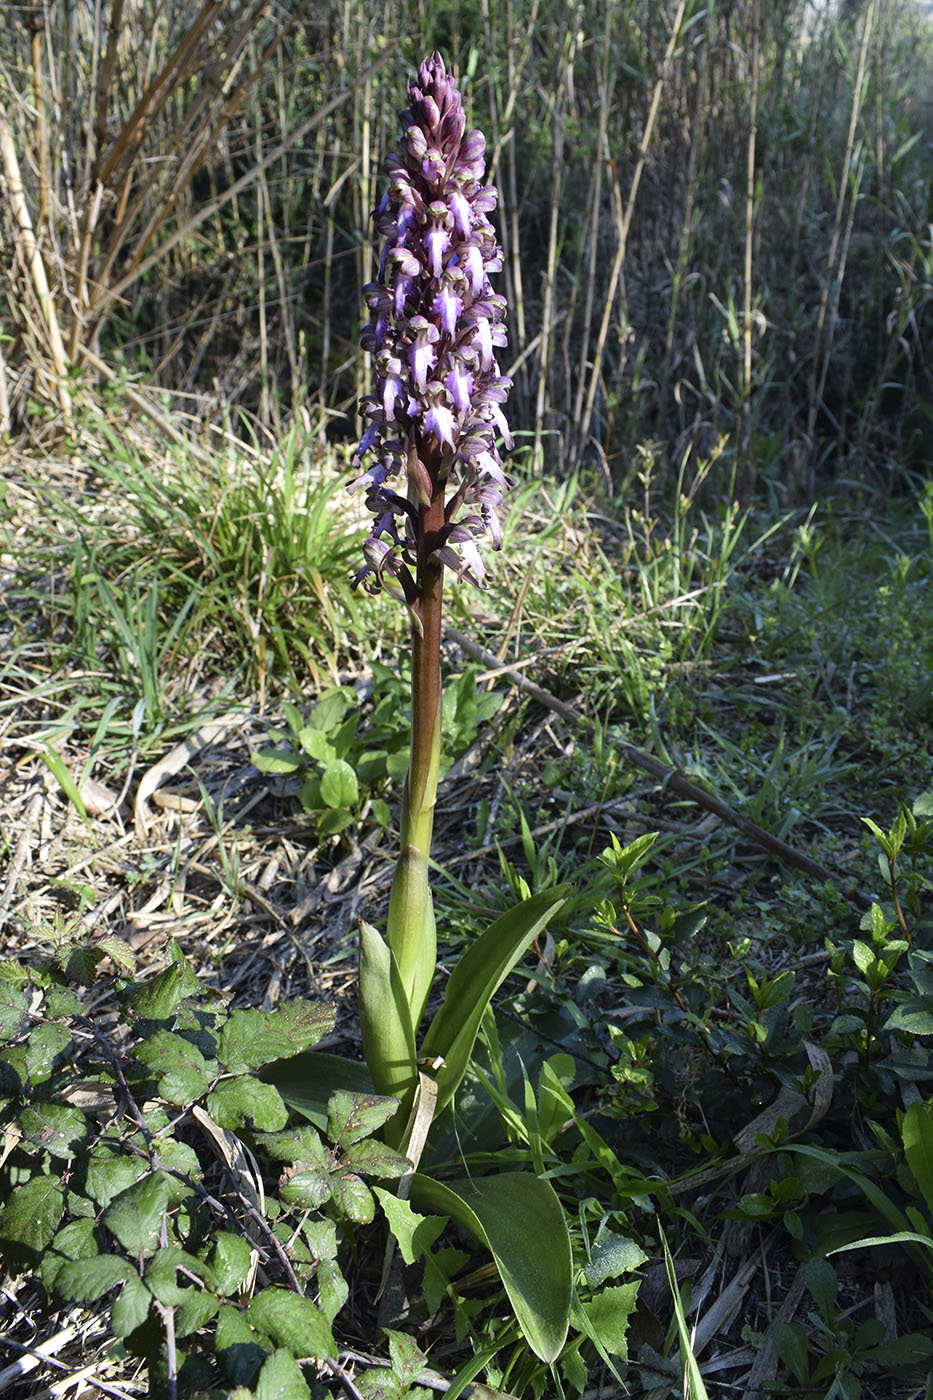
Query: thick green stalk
{"type": "Point", "coordinates": [411, 931]}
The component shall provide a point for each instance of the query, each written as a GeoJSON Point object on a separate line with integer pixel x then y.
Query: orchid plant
{"type": "Point", "coordinates": [430, 462]}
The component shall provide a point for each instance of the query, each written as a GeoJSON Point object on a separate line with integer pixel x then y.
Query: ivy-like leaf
{"type": "Point", "coordinates": [235, 1102]}
{"type": "Point", "coordinates": [182, 1072]}
{"type": "Point", "coordinates": [135, 1216]}
{"type": "Point", "coordinates": [352, 1117]}
{"type": "Point", "coordinates": [281, 1378]}
{"type": "Point", "coordinates": [292, 1322]}
{"type": "Point", "coordinates": [339, 787]}
{"type": "Point", "coordinates": [251, 1039]}
{"type": "Point", "coordinates": [608, 1315]}
{"type": "Point", "coordinates": [611, 1256]}
{"type": "Point", "coordinates": [84, 1280]}
{"type": "Point", "coordinates": [31, 1213]}
{"type": "Point", "coordinates": [54, 1128]}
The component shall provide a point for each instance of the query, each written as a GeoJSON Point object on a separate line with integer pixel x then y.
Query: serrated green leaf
{"type": "Point", "coordinates": [292, 1322]}
{"type": "Point", "coordinates": [352, 1117]}
{"type": "Point", "coordinates": [521, 1221]}
{"type": "Point", "coordinates": [54, 1128]}
{"type": "Point", "coordinates": [252, 1039]}
{"type": "Point", "coordinates": [85, 1280]}
{"type": "Point", "coordinates": [923, 805]}
{"type": "Point", "coordinates": [235, 1102]}
{"type": "Point", "coordinates": [611, 1256]}
{"type": "Point", "coordinates": [196, 1311]}
{"type": "Point", "coordinates": [281, 1378]}
{"type": "Point", "coordinates": [36, 1058]}
{"type": "Point", "coordinates": [32, 1212]}
{"type": "Point", "coordinates": [917, 1134]}
{"type": "Point", "coordinates": [14, 972]}
{"type": "Point", "coordinates": [352, 1197]}
{"type": "Point", "coordinates": [321, 1237]}
{"type": "Point", "coordinates": [161, 1270]}
{"type": "Point", "coordinates": [131, 1309]}
{"type": "Point", "coordinates": [238, 1347]}
{"type": "Point", "coordinates": [375, 1159]}
{"type": "Point", "coordinates": [176, 1156]}
{"type": "Point", "coordinates": [182, 1074]}
{"type": "Point", "coordinates": [608, 1315]}
{"type": "Point", "coordinates": [157, 999]}
{"type": "Point", "coordinates": [13, 1007]}
{"type": "Point", "coordinates": [476, 979]}
{"type": "Point", "coordinates": [118, 951]}
{"type": "Point", "coordinates": [333, 1291]}
{"type": "Point", "coordinates": [413, 1233]}
{"type": "Point", "coordinates": [230, 1261]}
{"type": "Point", "coordinates": [301, 1144]}
{"type": "Point", "coordinates": [339, 787]}
{"type": "Point", "coordinates": [310, 1187]}
{"type": "Point", "coordinates": [61, 1001]}
{"type": "Point", "coordinates": [110, 1171]}
{"type": "Point", "coordinates": [75, 1241]}
{"type": "Point", "coordinates": [135, 1216]}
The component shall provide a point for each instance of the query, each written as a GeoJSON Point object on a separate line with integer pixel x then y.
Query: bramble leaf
{"type": "Point", "coordinates": [251, 1039]}
{"type": "Point", "coordinates": [54, 1128]}
{"type": "Point", "coordinates": [135, 1216]}
{"type": "Point", "coordinates": [281, 1378]}
{"type": "Point", "coordinates": [84, 1280]}
{"type": "Point", "coordinates": [32, 1211]}
{"type": "Point", "coordinates": [292, 1322]}
{"type": "Point", "coordinates": [131, 1309]}
{"type": "Point", "coordinates": [352, 1117]}
{"type": "Point", "coordinates": [235, 1102]}
{"type": "Point", "coordinates": [181, 1071]}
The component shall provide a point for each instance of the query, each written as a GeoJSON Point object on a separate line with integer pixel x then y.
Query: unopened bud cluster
{"type": "Point", "coordinates": [437, 324]}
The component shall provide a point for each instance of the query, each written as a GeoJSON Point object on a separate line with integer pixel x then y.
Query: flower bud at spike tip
{"type": "Point", "coordinates": [436, 414]}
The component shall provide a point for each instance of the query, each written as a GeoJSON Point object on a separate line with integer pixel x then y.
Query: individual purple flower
{"type": "Point", "coordinates": [436, 415]}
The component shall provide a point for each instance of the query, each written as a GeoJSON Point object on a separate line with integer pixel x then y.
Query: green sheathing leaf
{"type": "Point", "coordinates": [520, 1219]}
{"type": "Point", "coordinates": [917, 1132]}
{"type": "Point", "coordinates": [388, 1039]}
{"type": "Point", "coordinates": [475, 980]}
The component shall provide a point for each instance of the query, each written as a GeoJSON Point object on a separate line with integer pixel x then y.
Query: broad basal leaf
{"type": "Point", "coordinates": [475, 981]}
{"type": "Point", "coordinates": [520, 1219]}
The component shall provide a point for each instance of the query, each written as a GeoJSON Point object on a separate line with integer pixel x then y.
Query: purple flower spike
{"type": "Point", "coordinates": [436, 415]}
